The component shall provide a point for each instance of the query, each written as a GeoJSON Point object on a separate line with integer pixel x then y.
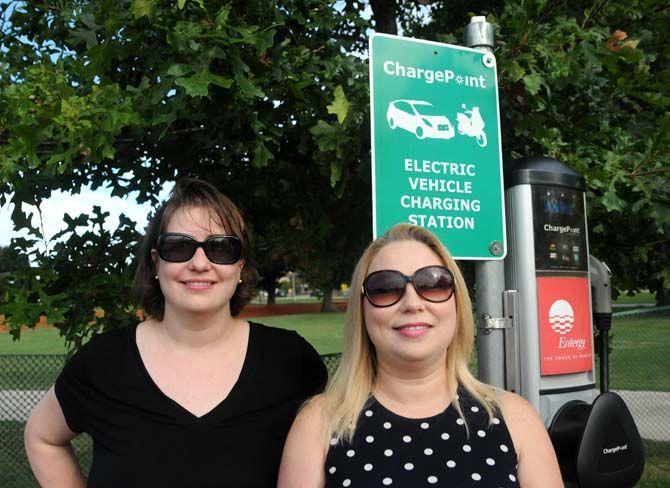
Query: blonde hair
{"type": "Point", "coordinates": [350, 387]}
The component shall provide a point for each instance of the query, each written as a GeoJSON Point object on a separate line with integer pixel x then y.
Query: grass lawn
{"type": "Point", "coordinates": [298, 299]}
{"type": "Point", "coordinates": [641, 297]}
{"type": "Point", "coordinates": [323, 330]}
{"type": "Point", "coordinates": [33, 341]}
{"type": "Point", "coordinates": [640, 359]}
{"type": "Point", "coordinates": [657, 465]}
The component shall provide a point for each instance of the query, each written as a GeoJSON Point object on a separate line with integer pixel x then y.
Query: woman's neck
{"type": "Point", "coordinates": [198, 331]}
{"type": "Point", "coordinates": [419, 393]}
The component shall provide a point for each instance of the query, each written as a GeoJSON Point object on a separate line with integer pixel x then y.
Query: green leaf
{"type": "Point", "coordinates": [262, 156]}
{"type": "Point", "coordinates": [247, 88]}
{"type": "Point", "coordinates": [108, 152]}
{"type": "Point", "coordinates": [532, 82]}
{"type": "Point", "coordinates": [515, 72]}
{"type": "Point", "coordinates": [58, 158]}
{"type": "Point", "coordinates": [141, 8]}
{"type": "Point", "coordinates": [180, 4]}
{"type": "Point", "coordinates": [197, 85]}
{"type": "Point", "coordinates": [221, 19]}
{"type": "Point", "coordinates": [335, 171]}
{"type": "Point", "coordinates": [179, 69]}
{"type": "Point", "coordinates": [340, 105]}
{"type": "Point", "coordinates": [264, 40]}
{"type": "Point", "coordinates": [219, 80]}
{"type": "Point", "coordinates": [611, 200]}
{"type": "Point", "coordinates": [447, 38]}
{"type": "Point", "coordinates": [325, 135]}
{"type": "Point", "coordinates": [88, 36]}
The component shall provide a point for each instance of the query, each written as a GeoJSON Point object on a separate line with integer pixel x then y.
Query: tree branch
{"type": "Point", "coordinates": [122, 140]}
{"type": "Point", "coordinates": [647, 173]}
{"type": "Point", "coordinates": [384, 13]}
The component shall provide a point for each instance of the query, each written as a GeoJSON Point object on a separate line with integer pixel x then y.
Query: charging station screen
{"type": "Point", "coordinates": [560, 230]}
{"type": "Point", "coordinates": [565, 325]}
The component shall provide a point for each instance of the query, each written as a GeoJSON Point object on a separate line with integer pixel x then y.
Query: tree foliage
{"type": "Point", "coordinates": [135, 94]}
{"type": "Point", "coordinates": [588, 83]}
{"type": "Point", "coordinates": [269, 101]}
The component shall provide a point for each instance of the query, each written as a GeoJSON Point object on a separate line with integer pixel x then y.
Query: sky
{"type": "Point", "coordinates": [61, 203]}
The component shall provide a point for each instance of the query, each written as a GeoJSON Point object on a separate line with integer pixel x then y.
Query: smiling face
{"type": "Point", "coordinates": [196, 286]}
{"type": "Point", "coordinates": [413, 329]}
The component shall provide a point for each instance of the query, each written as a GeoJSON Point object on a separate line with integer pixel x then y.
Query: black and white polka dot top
{"type": "Point", "coordinates": [395, 451]}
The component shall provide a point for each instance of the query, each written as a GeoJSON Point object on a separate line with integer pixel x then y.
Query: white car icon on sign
{"type": "Point", "coordinates": [420, 118]}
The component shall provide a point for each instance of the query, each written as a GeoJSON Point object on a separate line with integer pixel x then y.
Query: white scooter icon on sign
{"type": "Point", "coordinates": [471, 124]}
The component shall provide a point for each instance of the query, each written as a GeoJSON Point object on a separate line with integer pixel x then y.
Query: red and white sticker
{"type": "Point", "coordinates": [565, 325]}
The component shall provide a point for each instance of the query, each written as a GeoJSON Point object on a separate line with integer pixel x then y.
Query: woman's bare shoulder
{"type": "Point", "coordinates": [515, 405]}
{"type": "Point", "coordinates": [305, 448]}
{"type": "Point", "coordinates": [537, 460]}
{"type": "Point", "coordinates": [313, 412]}
{"type": "Point", "coordinates": [522, 420]}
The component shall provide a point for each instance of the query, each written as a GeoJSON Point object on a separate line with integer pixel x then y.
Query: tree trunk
{"type": "Point", "coordinates": [327, 302]}
{"type": "Point", "coordinates": [662, 296]}
{"type": "Point", "coordinates": [271, 294]}
{"type": "Point", "coordinates": [384, 13]}
{"type": "Point", "coordinates": [269, 279]}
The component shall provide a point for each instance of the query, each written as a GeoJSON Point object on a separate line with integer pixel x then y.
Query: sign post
{"type": "Point", "coordinates": [436, 150]}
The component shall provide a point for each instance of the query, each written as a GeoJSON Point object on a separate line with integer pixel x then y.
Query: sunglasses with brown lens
{"type": "Point", "coordinates": [386, 287]}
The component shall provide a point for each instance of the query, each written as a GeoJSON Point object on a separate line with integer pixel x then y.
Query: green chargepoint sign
{"type": "Point", "coordinates": [436, 154]}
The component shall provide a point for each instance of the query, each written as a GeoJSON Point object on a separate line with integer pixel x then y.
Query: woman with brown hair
{"type": "Point", "coordinates": [403, 408]}
{"type": "Point", "coordinates": [194, 395]}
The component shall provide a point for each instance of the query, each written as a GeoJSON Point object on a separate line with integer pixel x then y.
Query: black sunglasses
{"type": "Point", "coordinates": [179, 248]}
{"type": "Point", "coordinates": [386, 287]}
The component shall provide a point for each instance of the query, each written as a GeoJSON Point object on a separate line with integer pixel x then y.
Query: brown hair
{"type": "Point", "coordinates": [189, 192]}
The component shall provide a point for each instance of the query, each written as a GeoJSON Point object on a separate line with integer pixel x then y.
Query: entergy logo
{"type": "Point", "coordinates": [561, 317]}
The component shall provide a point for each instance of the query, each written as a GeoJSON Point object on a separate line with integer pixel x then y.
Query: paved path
{"type": "Point", "coordinates": [17, 404]}
{"type": "Point", "coordinates": [650, 409]}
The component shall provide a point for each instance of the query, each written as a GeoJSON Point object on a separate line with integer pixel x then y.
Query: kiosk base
{"type": "Point", "coordinates": [598, 445]}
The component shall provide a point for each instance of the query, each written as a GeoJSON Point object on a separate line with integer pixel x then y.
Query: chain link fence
{"type": "Point", "coordinates": [639, 372]}
{"type": "Point", "coordinates": [640, 369]}
{"type": "Point", "coordinates": [23, 381]}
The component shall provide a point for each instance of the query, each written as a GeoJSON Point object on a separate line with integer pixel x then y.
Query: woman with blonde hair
{"type": "Point", "coordinates": [403, 409]}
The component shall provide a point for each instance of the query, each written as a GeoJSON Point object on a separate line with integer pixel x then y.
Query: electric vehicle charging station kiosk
{"type": "Point", "coordinates": [550, 350]}
{"type": "Point", "coordinates": [548, 266]}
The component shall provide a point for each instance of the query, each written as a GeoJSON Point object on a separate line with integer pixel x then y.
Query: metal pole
{"type": "Point", "coordinates": [489, 275]}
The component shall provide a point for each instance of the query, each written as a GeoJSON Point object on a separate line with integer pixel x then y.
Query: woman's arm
{"type": "Point", "coordinates": [302, 464]}
{"type": "Point", "coordinates": [47, 439]}
{"type": "Point", "coordinates": [538, 466]}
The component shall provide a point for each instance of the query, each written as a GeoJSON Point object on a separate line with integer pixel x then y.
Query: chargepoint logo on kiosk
{"type": "Point", "coordinates": [565, 325]}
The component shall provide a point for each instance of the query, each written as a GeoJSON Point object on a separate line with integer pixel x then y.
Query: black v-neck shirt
{"type": "Point", "coordinates": [141, 437]}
